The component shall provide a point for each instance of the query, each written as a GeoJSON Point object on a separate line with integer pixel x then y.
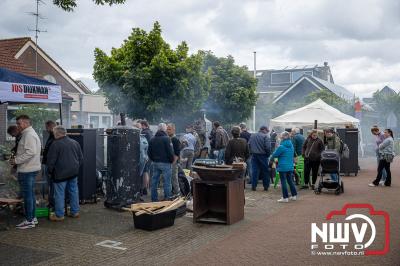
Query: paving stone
{"type": "Point", "coordinates": [270, 234]}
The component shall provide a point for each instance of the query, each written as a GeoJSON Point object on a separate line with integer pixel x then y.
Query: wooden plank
{"type": "Point", "coordinates": [178, 203]}
{"type": "Point", "coordinates": [10, 201]}
{"type": "Point", "coordinates": [150, 204]}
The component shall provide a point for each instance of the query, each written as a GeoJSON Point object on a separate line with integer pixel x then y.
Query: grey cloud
{"type": "Point", "coordinates": [282, 32]}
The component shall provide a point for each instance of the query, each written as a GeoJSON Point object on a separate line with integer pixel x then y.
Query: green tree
{"type": "Point", "coordinates": [331, 99]}
{"type": "Point", "coordinates": [386, 103]}
{"type": "Point", "coordinates": [146, 78]}
{"type": "Point", "coordinates": [38, 114]}
{"type": "Point", "coordinates": [233, 90]}
{"type": "Point", "coordinates": [69, 5]}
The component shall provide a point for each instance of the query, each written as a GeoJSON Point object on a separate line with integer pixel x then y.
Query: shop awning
{"type": "Point", "coordinates": [16, 87]}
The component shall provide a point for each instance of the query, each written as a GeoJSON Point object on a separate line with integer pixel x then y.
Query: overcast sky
{"type": "Point", "coordinates": [359, 38]}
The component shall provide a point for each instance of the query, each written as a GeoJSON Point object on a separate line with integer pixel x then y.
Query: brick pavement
{"type": "Point", "coordinates": [270, 234]}
{"type": "Point", "coordinates": [283, 238]}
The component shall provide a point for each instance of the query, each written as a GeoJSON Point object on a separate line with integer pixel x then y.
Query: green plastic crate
{"type": "Point", "coordinates": [42, 212]}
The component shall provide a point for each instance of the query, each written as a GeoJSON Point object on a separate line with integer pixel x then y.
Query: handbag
{"type": "Point", "coordinates": [308, 155]}
{"type": "Point", "coordinates": [388, 157]}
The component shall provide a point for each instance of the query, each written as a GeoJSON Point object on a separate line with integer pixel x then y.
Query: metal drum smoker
{"type": "Point", "coordinates": [123, 182]}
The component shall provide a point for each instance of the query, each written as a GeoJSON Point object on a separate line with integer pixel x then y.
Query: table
{"type": "Point", "coordinates": [5, 205]}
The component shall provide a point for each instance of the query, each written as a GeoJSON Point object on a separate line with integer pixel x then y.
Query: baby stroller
{"type": "Point", "coordinates": [330, 164]}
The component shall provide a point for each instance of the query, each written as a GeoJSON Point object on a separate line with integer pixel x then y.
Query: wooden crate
{"type": "Point", "coordinates": [218, 201]}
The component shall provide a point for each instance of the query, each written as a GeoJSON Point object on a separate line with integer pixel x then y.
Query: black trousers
{"type": "Point", "coordinates": [383, 164]}
{"type": "Point", "coordinates": [308, 167]}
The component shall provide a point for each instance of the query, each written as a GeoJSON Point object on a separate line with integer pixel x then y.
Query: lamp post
{"type": "Point", "coordinates": [254, 107]}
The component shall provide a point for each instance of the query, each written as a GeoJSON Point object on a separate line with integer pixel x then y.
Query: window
{"type": "Point", "coordinates": [100, 121]}
{"type": "Point", "coordinates": [279, 78]}
{"type": "Point", "coordinates": [94, 121]}
{"type": "Point", "coordinates": [297, 74]}
{"type": "Point", "coordinates": [106, 122]}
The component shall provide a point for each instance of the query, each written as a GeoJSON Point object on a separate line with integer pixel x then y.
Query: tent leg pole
{"type": "Point", "coordinates": [60, 107]}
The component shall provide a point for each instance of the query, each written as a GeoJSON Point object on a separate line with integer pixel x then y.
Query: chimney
{"type": "Point", "coordinates": [123, 122]}
{"type": "Point", "coordinates": [326, 72]}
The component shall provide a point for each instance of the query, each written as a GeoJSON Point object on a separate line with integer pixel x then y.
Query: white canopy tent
{"type": "Point", "coordinates": [326, 116]}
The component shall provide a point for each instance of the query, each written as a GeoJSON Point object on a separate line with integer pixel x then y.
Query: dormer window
{"type": "Point", "coordinates": [50, 78]}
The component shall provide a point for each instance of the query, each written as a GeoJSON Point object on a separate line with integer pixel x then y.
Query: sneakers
{"type": "Point", "coordinates": [283, 200]}
{"type": "Point", "coordinates": [382, 183]}
{"type": "Point", "coordinates": [76, 215]}
{"type": "Point", "coordinates": [26, 225]}
{"type": "Point", "coordinates": [55, 218]}
{"type": "Point", "coordinates": [294, 198]}
{"type": "Point", "coordinates": [35, 221]}
{"type": "Point", "coordinates": [372, 185]}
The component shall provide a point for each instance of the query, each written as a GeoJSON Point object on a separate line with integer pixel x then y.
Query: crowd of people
{"type": "Point", "coordinates": [61, 160]}
{"type": "Point", "coordinates": [164, 154]}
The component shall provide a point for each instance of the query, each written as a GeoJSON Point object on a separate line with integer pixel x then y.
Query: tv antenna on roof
{"type": "Point", "coordinates": [37, 30]}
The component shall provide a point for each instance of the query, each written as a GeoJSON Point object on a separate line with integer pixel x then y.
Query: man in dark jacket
{"type": "Point", "coordinates": [246, 135]}
{"type": "Point", "coordinates": [146, 130]}
{"type": "Point", "coordinates": [236, 148]}
{"type": "Point", "coordinates": [260, 149]}
{"type": "Point", "coordinates": [176, 145]}
{"type": "Point", "coordinates": [298, 141]}
{"type": "Point", "coordinates": [221, 140]}
{"type": "Point", "coordinates": [273, 136]}
{"type": "Point", "coordinates": [64, 160]}
{"type": "Point", "coordinates": [49, 128]}
{"type": "Point", "coordinates": [161, 154]}
{"type": "Point", "coordinates": [211, 154]}
{"type": "Point", "coordinates": [148, 134]}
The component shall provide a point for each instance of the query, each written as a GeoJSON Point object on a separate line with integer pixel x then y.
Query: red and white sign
{"type": "Point", "coordinates": [30, 93]}
{"type": "Point", "coordinates": [352, 234]}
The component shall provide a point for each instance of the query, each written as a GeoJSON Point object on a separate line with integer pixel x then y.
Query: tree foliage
{"type": "Point", "coordinates": [385, 103]}
{"type": "Point", "coordinates": [146, 78]}
{"type": "Point", "coordinates": [233, 90]}
{"type": "Point", "coordinates": [331, 99]}
{"type": "Point", "coordinates": [38, 114]}
{"type": "Point", "coordinates": [69, 5]}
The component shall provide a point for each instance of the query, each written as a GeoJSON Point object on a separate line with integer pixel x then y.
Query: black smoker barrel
{"type": "Point", "coordinates": [350, 137]}
{"type": "Point", "coordinates": [87, 179]}
{"type": "Point", "coordinates": [123, 183]}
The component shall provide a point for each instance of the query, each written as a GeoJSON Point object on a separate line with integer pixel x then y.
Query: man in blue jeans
{"type": "Point", "coordinates": [49, 128]}
{"type": "Point", "coordinates": [162, 156]}
{"type": "Point", "coordinates": [260, 149]}
{"type": "Point", "coordinates": [27, 159]}
{"type": "Point", "coordinates": [64, 160]}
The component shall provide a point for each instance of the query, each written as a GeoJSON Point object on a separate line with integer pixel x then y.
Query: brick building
{"type": "Point", "coordinates": [19, 55]}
